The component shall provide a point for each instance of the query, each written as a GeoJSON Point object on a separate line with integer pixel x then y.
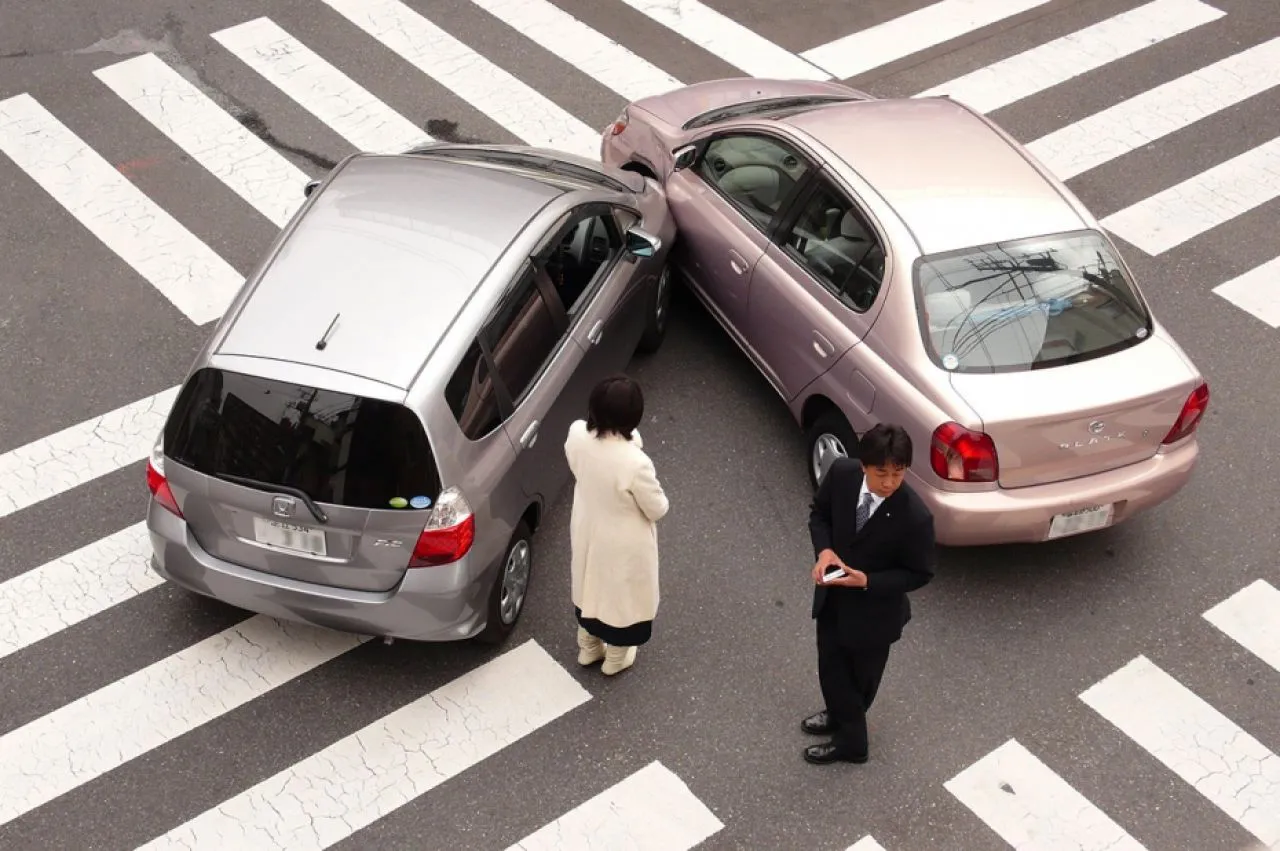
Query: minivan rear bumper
{"type": "Point", "coordinates": [1023, 515]}
{"type": "Point", "coordinates": [445, 603]}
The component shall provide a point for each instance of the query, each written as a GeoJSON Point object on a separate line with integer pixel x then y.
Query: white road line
{"type": "Point", "coordinates": [175, 261]}
{"type": "Point", "coordinates": [866, 843]}
{"type": "Point", "coordinates": [652, 810]}
{"type": "Point", "coordinates": [62, 593]}
{"type": "Point", "coordinates": [911, 33]}
{"type": "Point", "coordinates": [1256, 291]}
{"type": "Point", "coordinates": [333, 793]}
{"type": "Point", "coordinates": [523, 111]}
{"type": "Point", "coordinates": [99, 732]}
{"type": "Point", "coordinates": [348, 108]}
{"type": "Point", "coordinates": [1158, 112]}
{"type": "Point", "coordinates": [247, 165]}
{"type": "Point", "coordinates": [591, 52]}
{"type": "Point", "coordinates": [1251, 618]}
{"type": "Point", "coordinates": [728, 40]}
{"type": "Point", "coordinates": [81, 453]}
{"type": "Point", "coordinates": [1200, 203]}
{"type": "Point", "coordinates": [1055, 62]}
{"type": "Point", "coordinates": [1195, 741]}
{"type": "Point", "coordinates": [1031, 807]}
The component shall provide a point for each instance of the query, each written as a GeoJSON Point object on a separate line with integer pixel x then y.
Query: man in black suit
{"type": "Point", "coordinates": [872, 529]}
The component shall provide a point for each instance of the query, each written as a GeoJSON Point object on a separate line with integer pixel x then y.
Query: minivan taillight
{"type": "Point", "coordinates": [1192, 412]}
{"type": "Point", "coordinates": [449, 533]}
{"type": "Point", "coordinates": [157, 483]}
{"type": "Point", "coordinates": [958, 454]}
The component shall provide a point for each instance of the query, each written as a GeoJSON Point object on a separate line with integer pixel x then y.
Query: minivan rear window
{"type": "Point", "coordinates": [1030, 304]}
{"type": "Point", "coordinates": [337, 448]}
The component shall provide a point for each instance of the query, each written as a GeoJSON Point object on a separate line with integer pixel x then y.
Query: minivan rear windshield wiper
{"type": "Point", "coordinates": [267, 486]}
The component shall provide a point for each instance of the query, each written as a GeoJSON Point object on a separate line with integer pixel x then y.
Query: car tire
{"type": "Point", "coordinates": [658, 314]}
{"type": "Point", "coordinates": [828, 437]}
{"type": "Point", "coordinates": [502, 615]}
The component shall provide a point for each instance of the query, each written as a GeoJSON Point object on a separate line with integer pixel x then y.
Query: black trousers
{"type": "Point", "coordinates": [849, 678]}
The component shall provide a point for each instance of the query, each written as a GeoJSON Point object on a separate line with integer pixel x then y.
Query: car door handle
{"type": "Point", "coordinates": [736, 263]}
{"type": "Point", "coordinates": [530, 435]}
{"type": "Point", "coordinates": [822, 345]}
{"type": "Point", "coordinates": [596, 332]}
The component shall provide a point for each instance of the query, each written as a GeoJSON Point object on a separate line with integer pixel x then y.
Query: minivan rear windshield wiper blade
{"type": "Point", "coordinates": [267, 486]}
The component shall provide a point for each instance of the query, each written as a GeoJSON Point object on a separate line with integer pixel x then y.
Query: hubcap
{"type": "Point", "coordinates": [515, 582]}
{"type": "Point", "coordinates": [826, 449]}
{"type": "Point", "coordinates": [664, 296]}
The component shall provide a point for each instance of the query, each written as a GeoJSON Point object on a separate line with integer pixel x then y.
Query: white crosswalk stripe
{"type": "Point", "coordinates": [356, 777]}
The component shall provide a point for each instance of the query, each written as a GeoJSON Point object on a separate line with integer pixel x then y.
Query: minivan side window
{"type": "Point", "coordinates": [574, 262]}
{"type": "Point", "coordinates": [755, 173]}
{"type": "Point", "coordinates": [470, 395]}
{"type": "Point", "coordinates": [832, 240]}
{"type": "Point", "coordinates": [522, 335]}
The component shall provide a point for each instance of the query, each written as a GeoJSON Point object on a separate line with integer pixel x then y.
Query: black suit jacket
{"type": "Point", "coordinates": [895, 549]}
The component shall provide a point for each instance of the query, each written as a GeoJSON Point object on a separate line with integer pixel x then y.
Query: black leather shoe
{"type": "Point", "coordinates": [827, 753]}
{"type": "Point", "coordinates": [818, 724]}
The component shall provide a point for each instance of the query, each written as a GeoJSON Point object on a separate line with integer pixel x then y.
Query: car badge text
{"type": "Point", "coordinates": [1095, 428]}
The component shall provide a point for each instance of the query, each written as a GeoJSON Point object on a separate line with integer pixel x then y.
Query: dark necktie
{"type": "Point", "coordinates": [863, 514]}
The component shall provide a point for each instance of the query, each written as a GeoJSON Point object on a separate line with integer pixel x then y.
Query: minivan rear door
{"type": "Point", "coordinates": [301, 482]}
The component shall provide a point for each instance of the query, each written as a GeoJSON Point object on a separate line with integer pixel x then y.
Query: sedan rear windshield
{"type": "Point", "coordinates": [337, 448]}
{"type": "Point", "coordinates": [773, 107]}
{"type": "Point", "coordinates": [1029, 304]}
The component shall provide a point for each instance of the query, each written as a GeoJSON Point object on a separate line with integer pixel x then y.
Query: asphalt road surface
{"type": "Point", "coordinates": [132, 712]}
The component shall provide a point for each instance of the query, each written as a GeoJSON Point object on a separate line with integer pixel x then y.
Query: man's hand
{"type": "Point", "coordinates": [851, 579]}
{"type": "Point", "coordinates": [828, 558]}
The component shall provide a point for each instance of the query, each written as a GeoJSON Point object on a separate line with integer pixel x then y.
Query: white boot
{"type": "Point", "coordinates": [590, 648]}
{"type": "Point", "coordinates": [617, 659]}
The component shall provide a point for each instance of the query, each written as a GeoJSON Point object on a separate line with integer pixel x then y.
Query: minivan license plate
{"type": "Point", "coordinates": [1084, 520]}
{"type": "Point", "coordinates": [289, 536]}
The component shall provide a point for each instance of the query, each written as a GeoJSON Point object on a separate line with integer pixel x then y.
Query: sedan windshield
{"type": "Point", "coordinates": [1030, 304]}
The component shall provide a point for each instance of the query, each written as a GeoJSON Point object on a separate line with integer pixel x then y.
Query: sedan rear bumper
{"type": "Point", "coordinates": [1023, 515]}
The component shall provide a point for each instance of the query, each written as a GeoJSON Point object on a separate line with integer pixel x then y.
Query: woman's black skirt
{"type": "Point", "coordinates": [617, 636]}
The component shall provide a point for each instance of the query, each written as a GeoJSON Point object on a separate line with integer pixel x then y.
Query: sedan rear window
{"type": "Point", "coordinates": [1030, 304]}
{"type": "Point", "coordinates": [337, 448]}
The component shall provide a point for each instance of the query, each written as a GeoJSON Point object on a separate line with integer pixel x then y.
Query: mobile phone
{"type": "Point", "coordinates": [833, 572]}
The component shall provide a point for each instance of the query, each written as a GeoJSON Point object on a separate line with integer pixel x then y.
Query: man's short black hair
{"type": "Point", "coordinates": [885, 445]}
{"type": "Point", "coordinates": [616, 405]}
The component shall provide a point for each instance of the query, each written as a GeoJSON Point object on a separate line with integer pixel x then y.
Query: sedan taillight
{"type": "Point", "coordinates": [958, 454]}
{"type": "Point", "coordinates": [1192, 412]}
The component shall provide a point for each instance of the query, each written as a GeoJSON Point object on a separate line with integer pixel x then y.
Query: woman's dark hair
{"type": "Point", "coordinates": [885, 445]}
{"type": "Point", "coordinates": [616, 405]}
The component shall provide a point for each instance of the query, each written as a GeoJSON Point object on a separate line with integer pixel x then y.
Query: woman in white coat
{"type": "Point", "coordinates": [617, 502]}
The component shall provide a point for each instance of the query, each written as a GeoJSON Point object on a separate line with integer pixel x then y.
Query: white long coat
{"type": "Point", "coordinates": [617, 502]}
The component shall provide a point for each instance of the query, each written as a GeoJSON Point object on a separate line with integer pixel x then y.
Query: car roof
{"type": "Point", "coordinates": [951, 178]}
{"type": "Point", "coordinates": [392, 247]}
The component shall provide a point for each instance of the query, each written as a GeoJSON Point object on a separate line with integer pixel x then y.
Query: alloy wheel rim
{"type": "Point", "coordinates": [826, 449]}
{"type": "Point", "coordinates": [515, 582]}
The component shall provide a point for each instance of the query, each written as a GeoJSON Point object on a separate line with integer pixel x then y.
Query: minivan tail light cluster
{"type": "Point", "coordinates": [1192, 412]}
{"type": "Point", "coordinates": [157, 483]}
{"type": "Point", "coordinates": [449, 533]}
{"type": "Point", "coordinates": [958, 454]}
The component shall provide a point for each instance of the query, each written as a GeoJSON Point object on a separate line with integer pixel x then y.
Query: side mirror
{"type": "Point", "coordinates": [642, 244]}
{"type": "Point", "coordinates": [309, 188]}
{"type": "Point", "coordinates": [685, 157]}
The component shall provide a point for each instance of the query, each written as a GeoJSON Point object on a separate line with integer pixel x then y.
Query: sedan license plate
{"type": "Point", "coordinates": [289, 536]}
{"type": "Point", "coordinates": [1084, 520]}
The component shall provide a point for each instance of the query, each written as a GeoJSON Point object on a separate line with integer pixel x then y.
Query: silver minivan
{"type": "Point", "coordinates": [371, 436]}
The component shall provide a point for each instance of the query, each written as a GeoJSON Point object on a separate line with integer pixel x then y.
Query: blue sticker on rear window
{"type": "Point", "coordinates": [420, 502]}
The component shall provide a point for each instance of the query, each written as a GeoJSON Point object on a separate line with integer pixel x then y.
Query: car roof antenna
{"type": "Point", "coordinates": [324, 341]}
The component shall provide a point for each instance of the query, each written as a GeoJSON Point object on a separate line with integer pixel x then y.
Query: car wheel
{"type": "Point", "coordinates": [830, 437]}
{"type": "Point", "coordinates": [655, 327]}
{"type": "Point", "coordinates": [510, 588]}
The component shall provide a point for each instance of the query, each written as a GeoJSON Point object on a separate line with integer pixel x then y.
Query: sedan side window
{"type": "Point", "coordinates": [832, 239]}
{"type": "Point", "coordinates": [755, 173]}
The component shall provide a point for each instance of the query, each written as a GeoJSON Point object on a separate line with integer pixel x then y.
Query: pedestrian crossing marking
{"type": "Point", "coordinates": [348, 785]}
{"type": "Point", "coordinates": [1032, 808]}
{"type": "Point", "coordinates": [242, 161]}
{"type": "Point", "coordinates": [1251, 618]}
{"type": "Point", "coordinates": [728, 40]}
{"type": "Point", "coordinates": [595, 55]}
{"type": "Point", "coordinates": [1201, 203]}
{"type": "Point", "coordinates": [905, 35]}
{"type": "Point", "coordinates": [182, 268]}
{"type": "Point", "coordinates": [506, 100]}
{"type": "Point", "coordinates": [122, 721]}
{"type": "Point", "coordinates": [652, 810]}
{"type": "Point", "coordinates": [345, 106]}
{"type": "Point", "coordinates": [1159, 112]}
{"type": "Point", "coordinates": [1055, 62]}
{"type": "Point", "coordinates": [1256, 292]}
{"type": "Point", "coordinates": [866, 843]}
{"type": "Point", "coordinates": [72, 588]}
{"type": "Point", "coordinates": [52, 465]}
{"type": "Point", "coordinates": [1202, 746]}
